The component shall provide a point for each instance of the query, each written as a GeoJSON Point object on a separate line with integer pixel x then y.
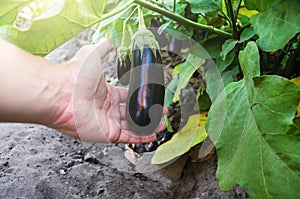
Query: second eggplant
{"type": "Point", "coordinates": [123, 65]}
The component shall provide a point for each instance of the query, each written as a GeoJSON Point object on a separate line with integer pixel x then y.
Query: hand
{"type": "Point", "coordinates": [96, 111]}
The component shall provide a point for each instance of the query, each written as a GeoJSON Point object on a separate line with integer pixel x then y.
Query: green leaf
{"type": "Point", "coordinates": [227, 47]}
{"type": "Point", "coordinates": [213, 46]}
{"type": "Point", "coordinates": [170, 90]}
{"type": "Point", "coordinates": [277, 25]}
{"type": "Point", "coordinates": [203, 102]}
{"type": "Point", "coordinates": [227, 54]}
{"type": "Point", "coordinates": [260, 5]}
{"type": "Point", "coordinates": [297, 82]}
{"type": "Point", "coordinates": [222, 64]}
{"type": "Point", "coordinates": [163, 27]}
{"type": "Point", "coordinates": [46, 34]}
{"type": "Point", "coordinates": [205, 6]}
{"type": "Point", "coordinates": [247, 34]}
{"type": "Point", "coordinates": [190, 135]}
{"type": "Point", "coordinates": [105, 23]}
{"type": "Point", "coordinates": [179, 32]}
{"type": "Point", "coordinates": [185, 71]}
{"type": "Point", "coordinates": [216, 81]}
{"type": "Point", "coordinates": [251, 124]}
{"type": "Point", "coordinates": [249, 60]}
{"type": "Point", "coordinates": [168, 124]}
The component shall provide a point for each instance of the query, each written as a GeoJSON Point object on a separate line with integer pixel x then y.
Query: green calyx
{"type": "Point", "coordinates": [144, 37]}
{"type": "Point", "coordinates": [123, 52]}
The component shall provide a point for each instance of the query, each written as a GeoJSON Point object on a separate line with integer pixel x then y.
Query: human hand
{"type": "Point", "coordinates": [96, 111]}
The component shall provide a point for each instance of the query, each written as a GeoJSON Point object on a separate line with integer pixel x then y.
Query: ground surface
{"type": "Point", "coordinates": [39, 162]}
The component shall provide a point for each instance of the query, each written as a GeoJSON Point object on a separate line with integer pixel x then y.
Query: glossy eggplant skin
{"type": "Point", "coordinates": [123, 70]}
{"type": "Point", "coordinates": [146, 91]}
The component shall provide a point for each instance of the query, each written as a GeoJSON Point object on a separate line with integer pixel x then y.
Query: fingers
{"type": "Point", "coordinates": [123, 92]}
{"type": "Point", "coordinates": [165, 110]}
{"type": "Point", "coordinates": [161, 126]}
{"type": "Point", "coordinates": [123, 110]}
{"type": "Point", "coordinates": [103, 47]}
{"type": "Point", "coordinates": [130, 137]}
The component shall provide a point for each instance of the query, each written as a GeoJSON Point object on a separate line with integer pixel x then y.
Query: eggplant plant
{"type": "Point", "coordinates": [247, 55]}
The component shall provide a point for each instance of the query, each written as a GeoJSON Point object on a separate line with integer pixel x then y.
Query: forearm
{"type": "Point", "coordinates": [32, 89]}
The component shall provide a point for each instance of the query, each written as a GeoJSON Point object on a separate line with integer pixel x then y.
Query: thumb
{"type": "Point", "coordinates": [90, 69]}
{"type": "Point", "coordinates": [101, 48]}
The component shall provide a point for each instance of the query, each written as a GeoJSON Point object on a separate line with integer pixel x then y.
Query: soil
{"type": "Point", "coordinates": [39, 162]}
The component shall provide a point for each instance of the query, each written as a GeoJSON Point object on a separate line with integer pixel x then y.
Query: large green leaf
{"type": "Point", "coordinates": [252, 128]}
{"type": "Point", "coordinates": [277, 25]}
{"type": "Point", "coordinates": [45, 35]}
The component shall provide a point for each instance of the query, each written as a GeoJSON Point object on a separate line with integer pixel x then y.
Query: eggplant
{"type": "Point", "coordinates": [123, 70]}
{"type": "Point", "coordinates": [146, 91]}
{"type": "Point", "coordinates": [123, 65]}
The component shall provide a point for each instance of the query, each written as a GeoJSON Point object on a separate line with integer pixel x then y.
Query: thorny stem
{"type": "Point", "coordinates": [182, 20]}
{"type": "Point", "coordinates": [232, 18]}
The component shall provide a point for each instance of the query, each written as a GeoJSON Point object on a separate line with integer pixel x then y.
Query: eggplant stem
{"type": "Point", "coordinates": [141, 18]}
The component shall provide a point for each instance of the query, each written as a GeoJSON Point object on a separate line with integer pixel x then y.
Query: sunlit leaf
{"type": "Point", "coordinates": [46, 34]}
{"type": "Point", "coordinates": [190, 135]}
{"type": "Point", "coordinates": [251, 124]}
{"type": "Point", "coordinates": [185, 71]}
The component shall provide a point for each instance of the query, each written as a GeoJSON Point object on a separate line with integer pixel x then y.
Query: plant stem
{"type": "Point", "coordinates": [237, 8]}
{"type": "Point", "coordinates": [232, 18]}
{"type": "Point", "coordinates": [174, 6]}
{"type": "Point", "coordinates": [288, 72]}
{"type": "Point", "coordinates": [112, 13]}
{"type": "Point", "coordinates": [182, 20]}
{"type": "Point", "coordinates": [224, 16]}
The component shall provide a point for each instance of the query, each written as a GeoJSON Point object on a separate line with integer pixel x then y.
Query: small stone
{"type": "Point", "coordinates": [62, 172]}
{"type": "Point", "coordinates": [89, 157]}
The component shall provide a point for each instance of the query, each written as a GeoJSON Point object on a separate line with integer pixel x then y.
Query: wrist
{"type": "Point", "coordinates": [61, 109]}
